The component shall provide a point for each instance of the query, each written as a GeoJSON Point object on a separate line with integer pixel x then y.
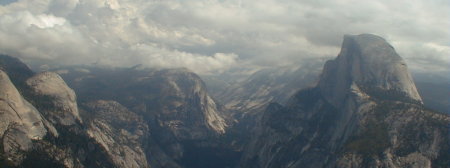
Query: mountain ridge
{"type": "Point", "coordinates": [345, 122]}
{"type": "Point", "coordinates": [365, 111]}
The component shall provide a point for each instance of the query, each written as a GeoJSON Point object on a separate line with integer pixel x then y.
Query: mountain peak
{"type": "Point", "coordinates": [369, 46]}
{"type": "Point", "coordinates": [52, 86]}
{"type": "Point", "coordinates": [366, 60]}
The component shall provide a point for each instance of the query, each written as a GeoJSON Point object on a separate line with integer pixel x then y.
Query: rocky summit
{"type": "Point", "coordinates": [366, 60]}
{"type": "Point", "coordinates": [51, 86]}
{"type": "Point", "coordinates": [173, 103]}
{"type": "Point", "coordinates": [364, 111]}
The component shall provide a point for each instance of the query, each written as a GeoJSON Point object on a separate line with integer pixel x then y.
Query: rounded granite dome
{"type": "Point", "coordinates": [52, 85]}
{"type": "Point", "coordinates": [370, 61]}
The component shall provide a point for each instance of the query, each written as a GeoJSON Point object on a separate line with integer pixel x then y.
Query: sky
{"type": "Point", "coordinates": [213, 36]}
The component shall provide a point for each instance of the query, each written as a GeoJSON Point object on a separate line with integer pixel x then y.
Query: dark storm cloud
{"type": "Point", "coordinates": [215, 35]}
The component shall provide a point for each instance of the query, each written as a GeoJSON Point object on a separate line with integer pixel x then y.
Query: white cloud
{"type": "Point", "coordinates": [214, 35]}
{"type": "Point", "coordinates": [41, 36]}
{"type": "Point", "coordinates": [43, 21]}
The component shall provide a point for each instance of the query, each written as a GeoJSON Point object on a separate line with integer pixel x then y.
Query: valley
{"type": "Point", "coordinates": [360, 109]}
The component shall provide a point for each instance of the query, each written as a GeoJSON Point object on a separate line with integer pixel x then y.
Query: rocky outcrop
{"type": "Point", "coordinates": [303, 133]}
{"type": "Point", "coordinates": [186, 102]}
{"type": "Point", "coordinates": [366, 60]}
{"type": "Point", "coordinates": [176, 98]}
{"type": "Point", "coordinates": [27, 138]}
{"type": "Point", "coordinates": [20, 122]}
{"type": "Point", "coordinates": [396, 134]}
{"type": "Point", "coordinates": [51, 90]}
{"type": "Point", "coordinates": [174, 103]}
{"type": "Point", "coordinates": [365, 112]}
{"type": "Point", "coordinates": [122, 133]}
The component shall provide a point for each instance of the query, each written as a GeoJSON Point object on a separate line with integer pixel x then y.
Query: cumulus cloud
{"type": "Point", "coordinates": [40, 36]}
{"type": "Point", "coordinates": [215, 35]}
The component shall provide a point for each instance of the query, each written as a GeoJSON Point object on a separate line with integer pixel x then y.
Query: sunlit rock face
{"type": "Point", "coordinates": [364, 112]}
{"type": "Point", "coordinates": [122, 133]}
{"type": "Point", "coordinates": [50, 87]}
{"type": "Point", "coordinates": [366, 60]}
{"type": "Point", "coordinates": [20, 122]}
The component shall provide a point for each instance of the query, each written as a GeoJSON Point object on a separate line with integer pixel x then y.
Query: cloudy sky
{"type": "Point", "coordinates": [210, 36]}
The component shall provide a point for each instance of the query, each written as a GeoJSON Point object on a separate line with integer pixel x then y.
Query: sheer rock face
{"type": "Point", "coordinates": [367, 60]}
{"type": "Point", "coordinates": [359, 115]}
{"type": "Point", "coordinates": [174, 99]}
{"type": "Point", "coordinates": [49, 85]}
{"type": "Point", "coordinates": [121, 132]}
{"type": "Point", "coordinates": [174, 104]}
{"type": "Point", "coordinates": [187, 102]}
{"type": "Point", "coordinates": [20, 122]}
